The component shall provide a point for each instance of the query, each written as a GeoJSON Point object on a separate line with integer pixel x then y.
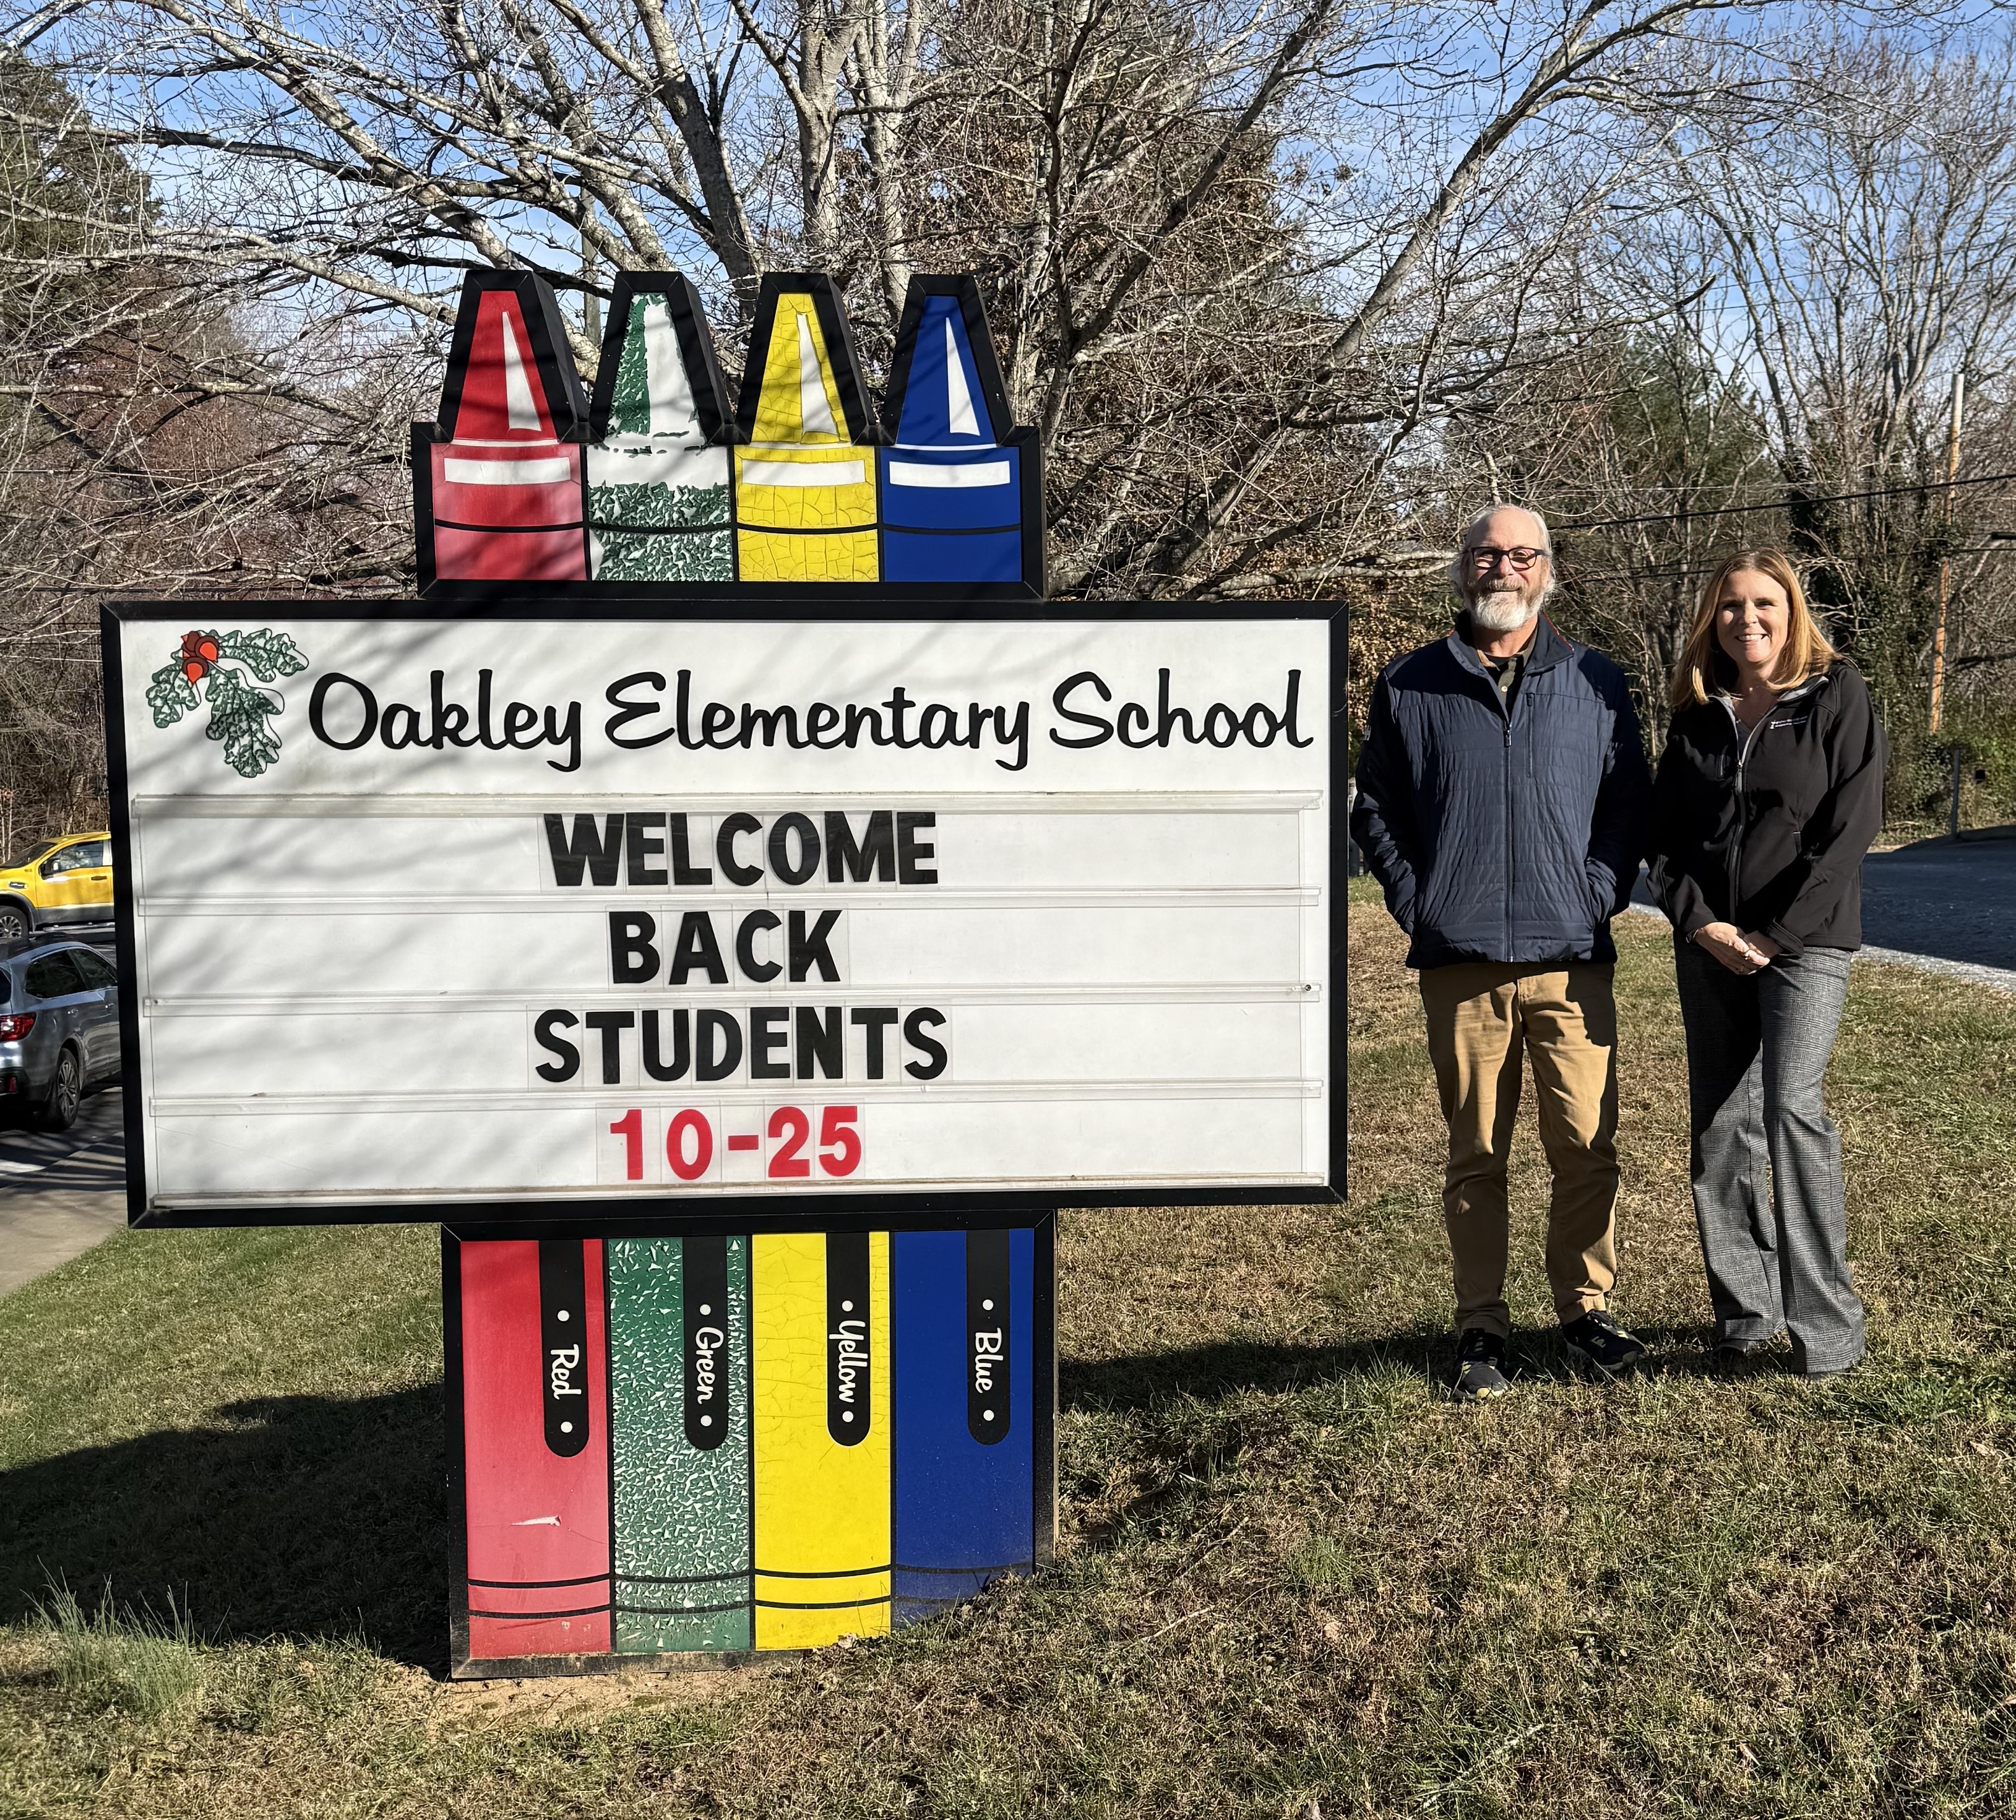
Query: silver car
{"type": "Point", "coordinates": [59, 1028]}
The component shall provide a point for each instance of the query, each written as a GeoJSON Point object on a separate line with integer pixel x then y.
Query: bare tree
{"type": "Point", "coordinates": [146, 444]}
{"type": "Point", "coordinates": [1271, 277]}
{"type": "Point", "coordinates": [1871, 255]}
{"type": "Point", "coordinates": [1278, 197]}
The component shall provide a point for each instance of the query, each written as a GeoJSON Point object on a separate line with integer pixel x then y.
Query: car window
{"type": "Point", "coordinates": [97, 971]}
{"type": "Point", "coordinates": [86, 853]}
{"type": "Point", "coordinates": [30, 855]}
{"type": "Point", "coordinates": [53, 976]}
{"type": "Point", "coordinates": [6, 986]}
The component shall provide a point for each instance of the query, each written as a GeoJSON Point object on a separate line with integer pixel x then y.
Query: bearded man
{"type": "Point", "coordinates": [1502, 792]}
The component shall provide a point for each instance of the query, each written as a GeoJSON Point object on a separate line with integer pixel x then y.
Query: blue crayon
{"type": "Point", "coordinates": [960, 494]}
{"type": "Point", "coordinates": [966, 1420]}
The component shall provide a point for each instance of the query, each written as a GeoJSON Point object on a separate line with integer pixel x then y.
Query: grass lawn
{"type": "Point", "coordinates": [1295, 1578]}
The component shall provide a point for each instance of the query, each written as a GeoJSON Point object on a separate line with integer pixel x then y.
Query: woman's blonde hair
{"type": "Point", "coordinates": [1807, 650]}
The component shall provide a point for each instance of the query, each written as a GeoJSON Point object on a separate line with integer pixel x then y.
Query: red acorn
{"type": "Point", "coordinates": [199, 654]}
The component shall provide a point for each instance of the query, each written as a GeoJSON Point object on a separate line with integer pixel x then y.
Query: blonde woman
{"type": "Point", "coordinates": [1768, 795]}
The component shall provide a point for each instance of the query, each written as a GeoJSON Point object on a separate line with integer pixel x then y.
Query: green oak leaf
{"type": "Point", "coordinates": [266, 653]}
{"type": "Point", "coordinates": [239, 714]}
{"type": "Point", "coordinates": [170, 693]}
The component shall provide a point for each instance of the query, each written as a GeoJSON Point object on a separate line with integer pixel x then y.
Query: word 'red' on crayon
{"type": "Point", "coordinates": [678, 1371]}
{"type": "Point", "coordinates": [820, 1332]}
{"type": "Point", "coordinates": [534, 1460]}
{"type": "Point", "coordinates": [657, 479]}
{"type": "Point", "coordinates": [497, 481]}
{"type": "Point", "coordinates": [962, 487]}
{"type": "Point", "coordinates": [805, 473]}
{"type": "Point", "coordinates": [964, 1471]}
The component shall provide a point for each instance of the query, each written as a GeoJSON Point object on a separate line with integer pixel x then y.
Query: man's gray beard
{"type": "Point", "coordinates": [1501, 610]}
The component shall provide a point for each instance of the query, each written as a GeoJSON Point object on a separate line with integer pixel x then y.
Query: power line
{"type": "Point", "coordinates": [1985, 480]}
{"type": "Point", "coordinates": [1576, 578]}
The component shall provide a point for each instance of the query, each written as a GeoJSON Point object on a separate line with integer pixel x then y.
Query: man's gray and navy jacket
{"type": "Point", "coordinates": [1502, 833]}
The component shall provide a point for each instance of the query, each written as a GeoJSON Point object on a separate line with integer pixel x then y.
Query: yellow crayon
{"type": "Point", "coordinates": [805, 476]}
{"type": "Point", "coordinates": [820, 1334]}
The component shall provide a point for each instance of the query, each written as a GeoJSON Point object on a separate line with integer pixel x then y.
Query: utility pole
{"type": "Point", "coordinates": [1946, 559]}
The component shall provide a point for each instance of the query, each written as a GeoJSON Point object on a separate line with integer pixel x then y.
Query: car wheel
{"type": "Point", "coordinates": [13, 922]}
{"type": "Point", "coordinates": [58, 1111]}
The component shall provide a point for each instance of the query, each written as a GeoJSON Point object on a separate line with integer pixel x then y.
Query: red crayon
{"type": "Point", "coordinates": [498, 481]}
{"type": "Point", "coordinates": [535, 1460]}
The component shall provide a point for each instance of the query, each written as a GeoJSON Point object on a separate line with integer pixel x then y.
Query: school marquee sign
{"type": "Point", "coordinates": [565, 912]}
{"type": "Point", "coordinates": [740, 909]}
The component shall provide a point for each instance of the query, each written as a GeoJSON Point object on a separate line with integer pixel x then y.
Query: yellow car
{"type": "Point", "coordinates": [58, 884]}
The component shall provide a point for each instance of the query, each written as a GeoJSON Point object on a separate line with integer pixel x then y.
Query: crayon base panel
{"type": "Point", "coordinates": [844, 556]}
{"type": "Point", "coordinates": [682, 1509]}
{"type": "Point", "coordinates": [791, 1438]}
{"type": "Point", "coordinates": [667, 556]}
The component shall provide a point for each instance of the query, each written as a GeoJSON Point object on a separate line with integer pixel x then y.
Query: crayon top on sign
{"type": "Point", "coordinates": [803, 383]}
{"type": "Point", "coordinates": [509, 379]}
{"type": "Point", "coordinates": [945, 388]}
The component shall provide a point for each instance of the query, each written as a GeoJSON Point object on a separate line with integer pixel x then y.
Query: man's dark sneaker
{"type": "Point", "coordinates": [1480, 1366]}
{"type": "Point", "coordinates": [1598, 1343]}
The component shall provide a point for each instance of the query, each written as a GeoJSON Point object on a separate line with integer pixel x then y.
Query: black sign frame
{"type": "Point", "coordinates": [638, 1211]}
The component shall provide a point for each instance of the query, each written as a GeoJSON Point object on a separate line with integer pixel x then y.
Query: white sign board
{"type": "Point", "coordinates": [538, 914]}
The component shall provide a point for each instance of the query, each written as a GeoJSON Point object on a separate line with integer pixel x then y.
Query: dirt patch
{"type": "Point", "coordinates": [551, 1700]}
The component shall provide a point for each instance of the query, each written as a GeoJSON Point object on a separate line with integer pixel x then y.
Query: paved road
{"type": "Point", "coordinates": [1953, 902]}
{"type": "Point", "coordinates": [1952, 907]}
{"type": "Point", "coordinates": [59, 1194]}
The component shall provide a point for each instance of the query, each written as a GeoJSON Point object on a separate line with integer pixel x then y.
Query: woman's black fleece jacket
{"type": "Point", "coordinates": [1767, 830]}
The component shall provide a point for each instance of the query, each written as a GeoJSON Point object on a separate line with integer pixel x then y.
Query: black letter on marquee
{"type": "Point", "coordinates": [874, 1020]}
{"type": "Point", "coordinates": [717, 1065]}
{"type": "Point", "coordinates": [745, 944]}
{"type": "Point", "coordinates": [611, 1024]}
{"type": "Point", "coordinates": [733, 869]}
{"type": "Point", "coordinates": [684, 870]}
{"type": "Point", "coordinates": [820, 1041]}
{"type": "Point", "coordinates": [934, 1051]}
{"type": "Point", "coordinates": [654, 1061]}
{"type": "Point", "coordinates": [697, 947]}
{"type": "Point", "coordinates": [632, 960]}
{"type": "Point", "coordinates": [643, 847]}
{"type": "Point", "coordinates": [876, 852]}
{"type": "Point", "coordinates": [911, 852]}
{"type": "Point", "coordinates": [809, 946]}
{"type": "Point", "coordinates": [572, 852]}
{"type": "Point", "coordinates": [569, 1065]}
{"type": "Point", "coordinates": [767, 1035]}
{"type": "Point", "coordinates": [780, 851]}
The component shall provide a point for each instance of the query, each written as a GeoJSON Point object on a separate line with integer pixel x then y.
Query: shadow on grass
{"type": "Point", "coordinates": [1148, 1381]}
{"type": "Point", "coordinates": [1152, 1381]}
{"type": "Point", "coordinates": [297, 1516]}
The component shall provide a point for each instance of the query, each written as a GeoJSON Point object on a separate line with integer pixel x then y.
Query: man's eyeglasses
{"type": "Point", "coordinates": [1487, 556]}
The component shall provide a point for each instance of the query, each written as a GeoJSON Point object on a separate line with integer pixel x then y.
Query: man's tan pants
{"type": "Point", "coordinates": [1481, 1015]}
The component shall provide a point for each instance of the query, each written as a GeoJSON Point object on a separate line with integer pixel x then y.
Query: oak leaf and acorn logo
{"type": "Point", "coordinates": [229, 670]}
